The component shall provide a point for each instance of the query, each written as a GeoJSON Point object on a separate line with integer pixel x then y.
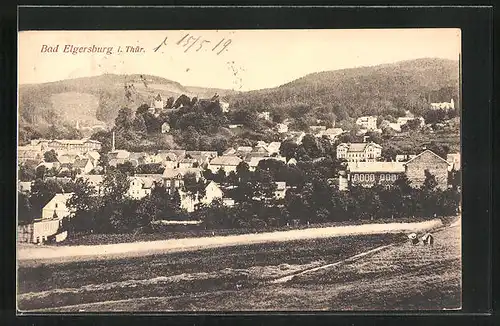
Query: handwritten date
{"type": "Point", "coordinates": [189, 42]}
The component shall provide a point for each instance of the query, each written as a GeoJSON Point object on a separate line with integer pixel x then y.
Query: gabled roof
{"type": "Point", "coordinates": [358, 147]}
{"type": "Point", "coordinates": [244, 149]}
{"type": "Point", "coordinates": [383, 167]}
{"type": "Point", "coordinates": [80, 163]}
{"type": "Point", "coordinates": [333, 131]}
{"type": "Point", "coordinates": [429, 151]}
{"type": "Point", "coordinates": [119, 154]}
{"type": "Point", "coordinates": [226, 160]}
{"type": "Point", "coordinates": [180, 172]}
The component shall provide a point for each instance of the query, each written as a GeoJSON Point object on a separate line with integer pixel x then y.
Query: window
{"type": "Point", "coordinates": [382, 177]}
{"type": "Point", "coordinates": [168, 183]}
{"type": "Point", "coordinates": [393, 177]}
{"type": "Point", "coordinates": [355, 177]}
{"type": "Point", "coordinates": [372, 177]}
{"type": "Point", "coordinates": [56, 205]}
{"type": "Point", "coordinates": [388, 177]}
{"type": "Point", "coordinates": [176, 183]}
{"type": "Point", "coordinates": [362, 177]}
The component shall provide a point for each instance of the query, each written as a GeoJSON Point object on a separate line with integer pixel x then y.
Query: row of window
{"type": "Point", "coordinates": [371, 177]}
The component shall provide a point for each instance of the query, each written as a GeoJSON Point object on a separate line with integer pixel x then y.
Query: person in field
{"type": "Point", "coordinates": [428, 239]}
{"type": "Point", "coordinates": [413, 238]}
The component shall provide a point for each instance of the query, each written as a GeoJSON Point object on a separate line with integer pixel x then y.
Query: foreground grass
{"type": "Point", "coordinates": [402, 277]}
{"type": "Point", "coordinates": [182, 275]}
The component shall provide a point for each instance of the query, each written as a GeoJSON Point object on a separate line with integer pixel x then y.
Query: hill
{"type": "Point", "coordinates": [93, 100]}
{"type": "Point", "coordinates": [380, 90]}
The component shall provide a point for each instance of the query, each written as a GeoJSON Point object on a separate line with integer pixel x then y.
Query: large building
{"type": "Point", "coordinates": [80, 145]}
{"type": "Point", "coordinates": [430, 162]}
{"type": "Point", "coordinates": [356, 152]}
{"type": "Point", "coordinates": [369, 174]}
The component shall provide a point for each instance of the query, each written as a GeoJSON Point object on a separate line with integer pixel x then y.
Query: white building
{"type": "Point", "coordinates": [367, 122]}
{"type": "Point", "coordinates": [56, 207]}
{"type": "Point", "coordinates": [454, 161]}
{"type": "Point", "coordinates": [281, 128]}
{"type": "Point", "coordinates": [443, 105]}
{"type": "Point", "coordinates": [266, 115]}
{"type": "Point", "coordinates": [352, 152]}
{"type": "Point", "coordinates": [227, 163]}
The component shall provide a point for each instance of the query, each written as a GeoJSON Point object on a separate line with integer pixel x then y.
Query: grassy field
{"type": "Point", "coordinates": [239, 278]}
{"type": "Point", "coordinates": [182, 275]}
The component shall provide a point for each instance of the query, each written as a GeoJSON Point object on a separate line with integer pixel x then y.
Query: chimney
{"type": "Point", "coordinates": [113, 143]}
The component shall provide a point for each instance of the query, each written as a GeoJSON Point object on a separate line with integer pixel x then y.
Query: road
{"type": "Point", "coordinates": [121, 250]}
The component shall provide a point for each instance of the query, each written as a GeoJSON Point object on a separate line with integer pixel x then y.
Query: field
{"type": "Point", "coordinates": [182, 275]}
{"type": "Point", "coordinates": [240, 278]}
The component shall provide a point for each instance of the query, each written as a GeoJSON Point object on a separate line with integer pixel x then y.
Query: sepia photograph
{"type": "Point", "coordinates": [239, 170]}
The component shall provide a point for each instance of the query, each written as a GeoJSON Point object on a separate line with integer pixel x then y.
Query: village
{"type": "Point", "coordinates": [216, 175]}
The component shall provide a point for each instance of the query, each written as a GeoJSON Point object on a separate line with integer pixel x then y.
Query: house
{"type": "Point", "coordinates": [29, 152]}
{"type": "Point", "coordinates": [427, 162]}
{"type": "Point", "coordinates": [274, 147]}
{"type": "Point", "coordinates": [259, 151]}
{"type": "Point", "coordinates": [93, 156]}
{"type": "Point", "coordinates": [296, 136]}
{"type": "Point", "coordinates": [404, 157]}
{"type": "Point", "coordinates": [84, 165]}
{"type": "Point", "coordinates": [187, 163]}
{"type": "Point", "coordinates": [266, 115]}
{"type": "Point", "coordinates": [226, 163]}
{"type": "Point", "coordinates": [49, 165]}
{"type": "Point", "coordinates": [281, 189]}
{"type": "Point", "coordinates": [230, 151]}
{"type": "Point", "coordinates": [165, 127]}
{"type": "Point", "coordinates": [95, 180]}
{"type": "Point", "coordinates": [224, 106]}
{"type": "Point", "coordinates": [244, 149]}
{"type": "Point", "coordinates": [443, 105]}
{"type": "Point", "coordinates": [367, 122]}
{"type": "Point", "coordinates": [82, 145]}
{"type": "Point", "coordinates": [189, 201]}
{"type": "Point", "coordinates": [281, 128]}
{"type": "Point", "coordinates": [174, 178]}
{"type": "Point", "coordinates": [332, 133]}
{"type": "Point", "coordinates": [353, 152]}
{"type": "Point", "coordinates": [454, 161]}
{"type": "Point", "coordinates": [317, 130]}
{"type": "Point", "coordinates": [67, 158]}
{"type": "Point", "coordinates": [118, 156]}
{"type": "Point", "coordinates": [140, 187]}
{"type": "Point", "coordinates": [292, 161]}
{"type": "Point", "coordinates": [369, 174]}
{"type": "Point", "coordinates": [202, 157]}
{"type": "Point", "coordinates": [24, 186]}
{"type": "Point", "coordinates": [234, 126]}
{"type": "Point", "coordinates": [56, 207]}
{"type": "Point", "coordinates": [157, 102]}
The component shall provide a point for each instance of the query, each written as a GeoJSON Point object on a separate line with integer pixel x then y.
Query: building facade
{"type": "Point", "coordinates": [359, 152]}
{"type": "Point", "coordinates": [369, 174]}
{"type": "Point", "coordinates": [430, 162]}
{"type": "Point", "coordinates": [368, 122]}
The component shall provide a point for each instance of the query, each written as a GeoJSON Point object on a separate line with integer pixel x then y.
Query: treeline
{"type": "Point", "coordinates": [322, 202]}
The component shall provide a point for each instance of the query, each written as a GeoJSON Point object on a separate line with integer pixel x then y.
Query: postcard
{"type": "Point", "coordinates": [239, 170]}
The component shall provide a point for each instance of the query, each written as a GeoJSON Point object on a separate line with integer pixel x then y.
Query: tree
{"type": "Point", "coordinates": [126, 168]}
{"type": "Point", "coordinates": [139, 125]}
{"type": "Point", "coordinates": [84, 203]}
{"type": "Point", "coordinates": [413, 125]}
{"type": "Point", "coordinates": [124, 120]}
{"type": "Point", "coordinates": [288, 149]}
{"type": "Point", "coordinates": [42, 191]}
{"type": "Point", "coordinates": [27, 171]}
{"type": "Point", "coordinates": [50, 156]}
{"type": "Point", "coordinates": [24, 212]}
{"type": "Point", "coordinates": [430, 182]}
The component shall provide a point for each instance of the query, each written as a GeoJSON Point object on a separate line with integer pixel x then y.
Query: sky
{"type": "Point", "coordinates": [251, 59]}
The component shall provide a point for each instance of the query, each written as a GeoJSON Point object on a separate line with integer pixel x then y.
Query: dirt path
{"type": "Point", "coordinates": [72, 253]}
